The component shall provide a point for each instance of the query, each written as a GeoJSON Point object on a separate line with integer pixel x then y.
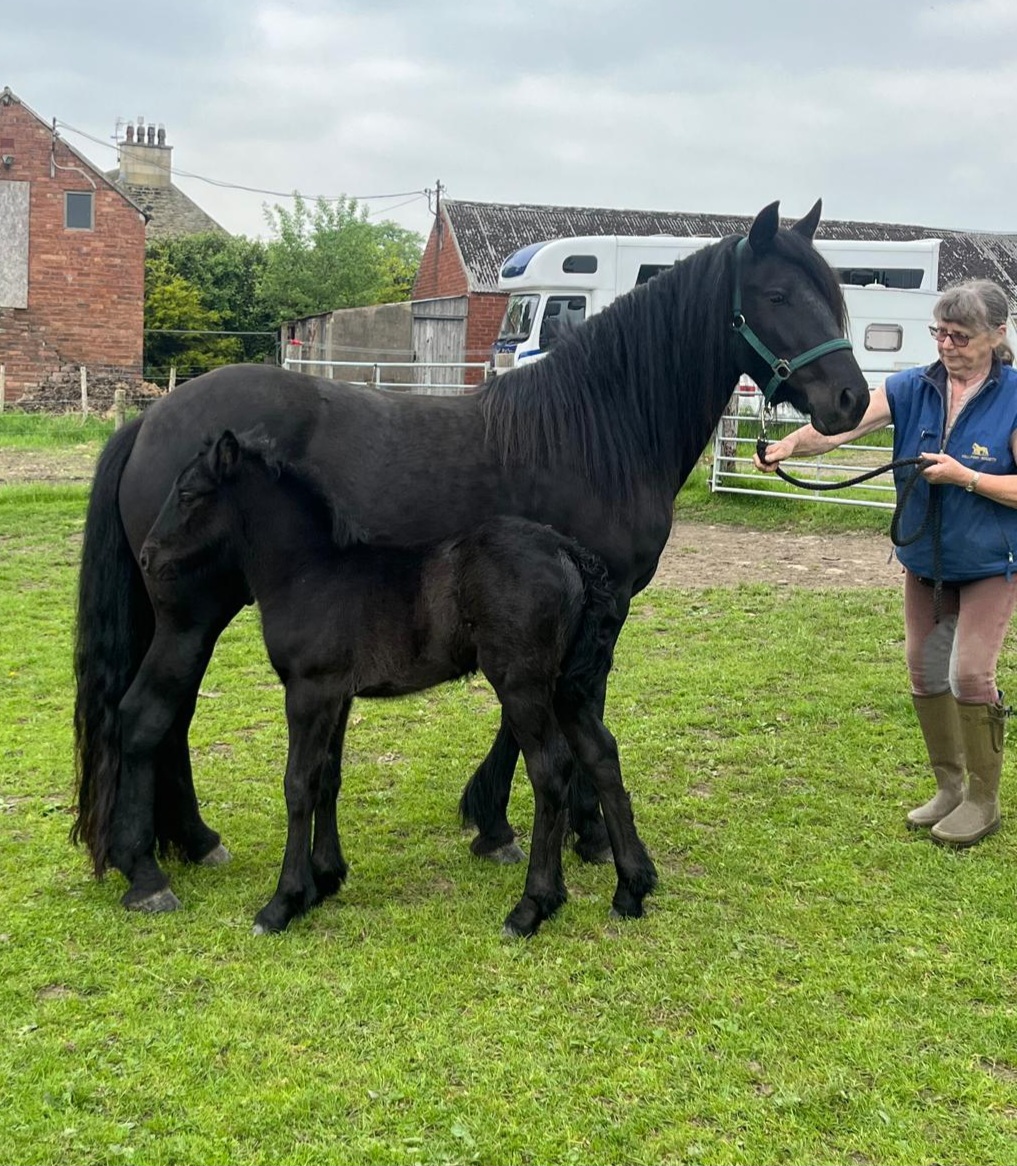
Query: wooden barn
{"type": "Point", "coordinates": [72, 264]}
{"type": "Point", "coordinates": [456, 299]}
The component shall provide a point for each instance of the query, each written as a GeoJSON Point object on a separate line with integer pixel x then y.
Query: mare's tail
{"type": "Point", "coordinates": [114, 628]}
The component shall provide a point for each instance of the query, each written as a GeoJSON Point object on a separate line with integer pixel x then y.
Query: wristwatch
{"type": "Point", "coordinates": [970, 487]}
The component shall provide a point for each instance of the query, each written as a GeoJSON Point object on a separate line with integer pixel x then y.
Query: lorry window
{"type": "Point", "coordinates": [884, 337]}
{"type": "Point", "coordinates": [517, 323]}
{"type": "Point", "coordinates": [579, 264]}
{"type": "Point", "coordinates": [648, 270]}
{"type": "Point", "coordinates": [905, 277]}
{"type": "Point", "coordinates": [560, 313]}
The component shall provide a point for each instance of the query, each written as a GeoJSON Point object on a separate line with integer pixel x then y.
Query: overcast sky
{"type": "Point", "coordinates": [892, 110]}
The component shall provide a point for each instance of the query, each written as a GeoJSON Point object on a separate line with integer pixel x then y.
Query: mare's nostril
{"type": "Point", "coordinates": [143, 559]}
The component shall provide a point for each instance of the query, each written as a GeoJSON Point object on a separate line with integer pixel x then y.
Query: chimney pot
{"type": "Point", "coordinates": [161, 135]}
{"type": "Point", "coordinates": [130, 132]}
{"type": "Point", "coordinates": [151, 135]}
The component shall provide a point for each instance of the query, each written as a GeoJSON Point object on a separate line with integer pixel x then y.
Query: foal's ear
{"type": "Point", "coordinates": [225, 455]}
{"type": "Point", "coordinates": [764, 228]}
{"type": "Point", "coordinates": [807, 226]}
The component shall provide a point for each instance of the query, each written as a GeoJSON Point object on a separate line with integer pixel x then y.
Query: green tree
{"type": "Point", "coordinates": [330, 256]}
{"type": "Point", "coordinates": [228, 271]}
{"type": "Point", "coordinates": [179, 330]}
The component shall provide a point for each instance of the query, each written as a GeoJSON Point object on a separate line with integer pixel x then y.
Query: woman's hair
{"type": "Point", "coordinates": [977, 304]}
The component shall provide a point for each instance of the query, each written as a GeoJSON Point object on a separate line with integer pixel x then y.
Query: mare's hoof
{"type": "Point", "coordinates": [217, 856]}
{"type": "Point", "coordinates": [599, 855]}
{"type": "Point", "coordinates": [505, 855]}
{"type": "Point", "coordinates": [508, 931]}
{"type": "Point", "coordinates": [154, 904]}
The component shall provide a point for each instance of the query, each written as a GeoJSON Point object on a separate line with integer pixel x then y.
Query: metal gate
{"type": "Point", "coordinates": [734, 443]}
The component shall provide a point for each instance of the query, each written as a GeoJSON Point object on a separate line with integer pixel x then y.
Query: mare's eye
{"type": "Point", "coordinates": [776, 297]}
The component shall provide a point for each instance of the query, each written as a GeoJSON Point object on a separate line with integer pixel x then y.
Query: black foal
{"type": "Point", "coordinates": [525, 605]}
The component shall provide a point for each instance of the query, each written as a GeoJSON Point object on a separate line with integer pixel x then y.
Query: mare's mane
{"type": "Point", "coordinates": [626, 395]}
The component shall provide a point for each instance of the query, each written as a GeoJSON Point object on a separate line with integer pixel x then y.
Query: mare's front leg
{"type": "Point", "coordinates": [156, 702]}
{"type": "Point", "coordinates": [313, 710]}
{"type": "Point", "coordinates": [596, 748]}
{"type": "Point", "coordinates": [327, 861]}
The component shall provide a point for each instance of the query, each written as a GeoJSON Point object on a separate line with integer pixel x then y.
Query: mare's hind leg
{"type": "Point", "coordinates": [597, 749]}
{"type": "Point", "coordinates": [313, 711]}
{"type": "Point", "coordinates": [327, 862]}
{"type": "Point", "coordinates": [171, 669]}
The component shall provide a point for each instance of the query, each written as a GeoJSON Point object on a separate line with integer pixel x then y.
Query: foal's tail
{"type": "Point", "coordinates": [114, 628]}
{"type": "Point", "coordinates": [590, 654]}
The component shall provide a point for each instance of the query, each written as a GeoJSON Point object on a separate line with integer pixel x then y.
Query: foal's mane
{"type": "Point", "coordinates": [306, 480]}
{"type": "Point", "coordinates": [635, 392]}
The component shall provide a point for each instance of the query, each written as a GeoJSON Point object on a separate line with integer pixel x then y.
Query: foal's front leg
{"type": "Point", "coordinates": [327, 861]}
{"type": "Point", "coordinates": [312, 714]}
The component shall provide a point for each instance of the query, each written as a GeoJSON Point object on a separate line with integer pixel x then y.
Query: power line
{"type": "Point", "coordinates": [409, 195]}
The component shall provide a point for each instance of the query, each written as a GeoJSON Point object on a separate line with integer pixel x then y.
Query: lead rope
{"type": "Point", "coordinates": [933, 511]}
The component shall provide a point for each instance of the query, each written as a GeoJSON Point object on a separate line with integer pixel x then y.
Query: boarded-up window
{"type": "Point", "coordinates": [14, 244]}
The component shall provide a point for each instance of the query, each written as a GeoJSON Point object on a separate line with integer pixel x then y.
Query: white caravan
{"type": "Point", "coordinates": [889, 287]}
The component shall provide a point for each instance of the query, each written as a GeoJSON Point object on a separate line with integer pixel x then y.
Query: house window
{"type": "Point", "coordinates": [78, 210]}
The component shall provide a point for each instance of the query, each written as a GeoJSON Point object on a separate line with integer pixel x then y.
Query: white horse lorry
{"type": "Point", "coordinates": [558, 284]}
{"type": "Point", "coordinates": [889, 290]}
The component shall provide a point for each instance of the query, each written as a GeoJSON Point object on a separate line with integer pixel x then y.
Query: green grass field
{"type": "Point", "coordinates": [812, 983]}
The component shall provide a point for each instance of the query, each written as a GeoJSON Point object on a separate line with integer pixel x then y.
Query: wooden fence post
{"type": "Point", "coordinates": [172, 378]}
{"type": "Point", "coordinates": [120, 407]}
{"type": "Point", "coordinates": [3, 386]}
{"type": "Point", "coordinates": [84, 392]}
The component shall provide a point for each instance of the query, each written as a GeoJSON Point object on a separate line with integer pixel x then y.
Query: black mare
{"type": "Point", "coordinates": [594, 440]}
{"type": "Point", "coordinates": [526, 606]}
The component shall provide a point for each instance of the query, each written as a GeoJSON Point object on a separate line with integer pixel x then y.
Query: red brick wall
{"type": "Point", "coordinates": [442, 274]}
{"type": "Point", "coordinates": [86, 289]}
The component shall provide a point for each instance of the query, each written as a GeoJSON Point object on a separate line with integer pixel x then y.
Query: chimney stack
{"type": "Point", "coordinates": [145, 159]}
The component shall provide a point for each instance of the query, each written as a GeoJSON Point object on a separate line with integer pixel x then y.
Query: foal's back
{"type": "Point", "coordinates": [387, 621]}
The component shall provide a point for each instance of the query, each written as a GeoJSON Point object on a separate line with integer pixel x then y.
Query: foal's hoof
{"type": "Point", "coordinates": [154, 904]}
{"type": "Point", "coordinates": [217, 856]}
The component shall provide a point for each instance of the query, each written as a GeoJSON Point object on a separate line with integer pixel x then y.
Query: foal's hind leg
{"type": "Point", "coordinates": [484, 802]}
{"type": "Point", "coordinates": [594, 745]}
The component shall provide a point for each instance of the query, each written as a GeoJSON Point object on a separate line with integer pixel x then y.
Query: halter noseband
{"type": "Point", "coordinates": [782, 367]}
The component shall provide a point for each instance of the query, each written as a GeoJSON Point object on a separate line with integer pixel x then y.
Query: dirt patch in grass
{"type": "Point", "coordinates": [697, 554]}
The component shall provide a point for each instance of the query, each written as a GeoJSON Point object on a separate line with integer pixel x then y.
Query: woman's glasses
{"type": "Point", "coordinates": [943, 334]}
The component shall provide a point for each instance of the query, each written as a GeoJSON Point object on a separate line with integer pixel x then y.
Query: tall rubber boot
{"type": "Point", "coordinates": [978, 815]}
{"type": "Point", "coordinates": [941, 728]}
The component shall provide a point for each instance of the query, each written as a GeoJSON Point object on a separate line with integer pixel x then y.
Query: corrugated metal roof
{"type": "Point", "coordinates": [487, 233]}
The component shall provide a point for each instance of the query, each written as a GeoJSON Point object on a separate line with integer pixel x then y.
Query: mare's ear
{"type": "Point", "coordinates": [764, 228]}
{"type": "Point", "coordinates": [225, 456]}
{"type": "Point", "coordinates": [807, 226]}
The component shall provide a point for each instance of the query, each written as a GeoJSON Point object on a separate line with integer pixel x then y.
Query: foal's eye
{"type": "Point", "coordinates": [776, 297]}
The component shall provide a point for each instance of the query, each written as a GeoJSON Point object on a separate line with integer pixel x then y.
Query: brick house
{"type": "Point", "coordinates": [72, 265]}
{"type": "Point", "coordinates": [457, 284]}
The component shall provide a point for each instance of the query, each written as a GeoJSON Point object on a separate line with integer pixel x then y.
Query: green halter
{"type": "Point", "coordinates": [781, 367]}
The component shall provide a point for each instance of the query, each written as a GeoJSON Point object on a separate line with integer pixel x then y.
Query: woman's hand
{"type": "Point", "coordinates": [776, 451]}
{"type": "Point", "coordinates": [940, 469]}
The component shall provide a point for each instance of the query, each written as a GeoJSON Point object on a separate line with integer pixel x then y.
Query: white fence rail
{"type": "Point", "coordinates": [734, 443]}
{"type": "Point", "coordinates": [380, 374]}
